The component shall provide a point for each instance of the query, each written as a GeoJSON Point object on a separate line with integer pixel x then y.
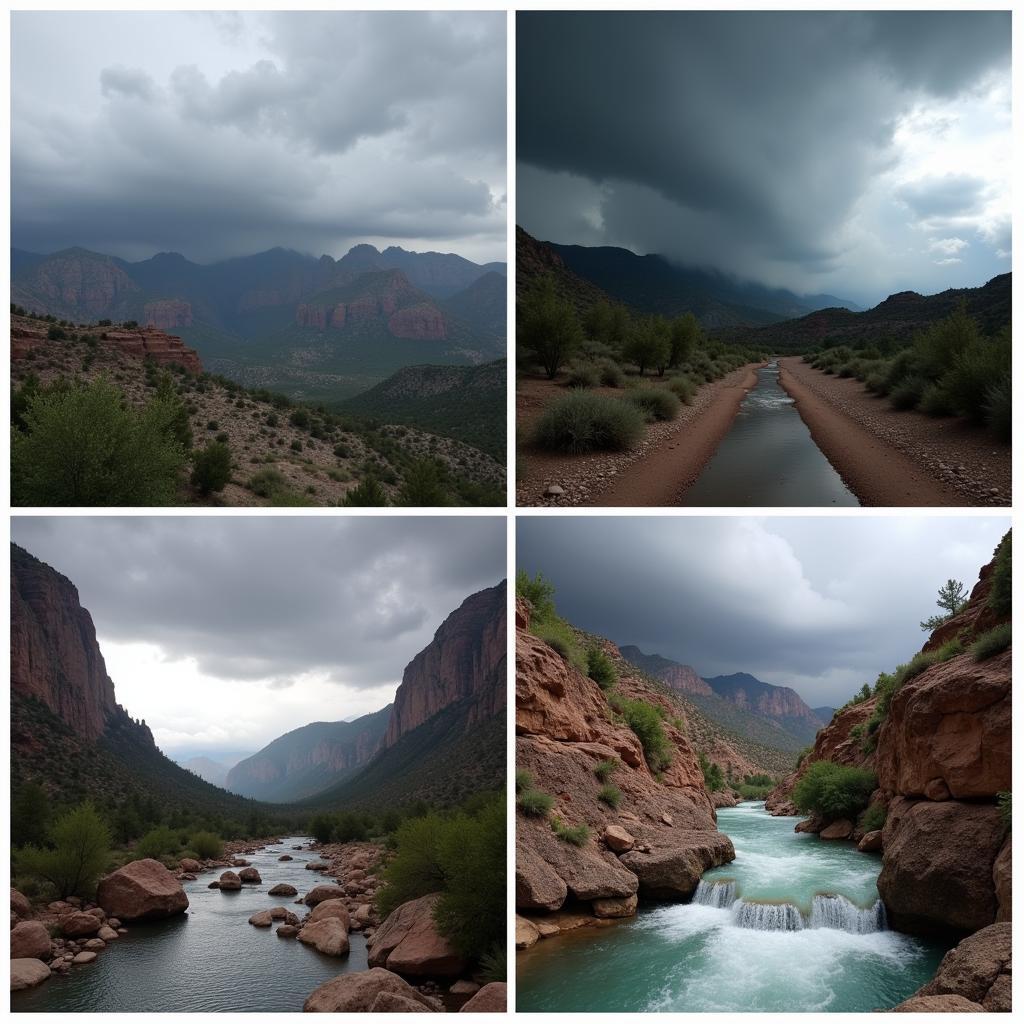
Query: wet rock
{"type": "Point", "coordinates": [334, 908]}
{"type": "Point", "coordinates": [229, 882]}
{"type": "Point", "coordinates": [283, 889]}
{"type": "Point", "coordinates": [317, 865]}
{"type": "Point", "coordinates": [870, 842]}
{"type": "Point", "coordinates": [79, 924]}
{"type": "Point", "coordinates": [27, 972]}
{"type": "Point", "coordinates": [841, 829]}
{"type": "Point", "coordinates": [261, 919]}
{"type": "Point", "coordinates": [526, 934]}
{"type": "Point", "coordinates": [673, 871]}
{"type": "Point", "coordinates": [107, 934]}
{"type": "Point", "coordinates": [142, 889]}
{"type": "Point", "coordinates": [938, 1004]}
{"type": "Point", "coordinates": [190, 865]}
{"type": "Point", "coordinates": [250, 876]}
{"type": "Point", "coordinates": [285, 856]}
{"type": "Point", "coordinates": [978, 969]}
{"type": "Point", "coordinates": [95, 944]}
{"type": "Point", "coordinates": [492, 998]}
{"type": "Point", "coordinates": [625, 907]}
{"type": "Point", "coordinates": [30, 941]}
{"type": "Point", "coordinates": [356, 992]}
{"type": "Point", "coordinates": [85, 957]}
{"type": "Point", "coordinates": [329, 936]}
{"type": "Point", "coordinates": [323, 892]}
{"type": "Point", "coordinates": [287, 931]}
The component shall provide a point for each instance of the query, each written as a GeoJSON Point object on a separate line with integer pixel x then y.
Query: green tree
{"type": "Point", "coordinates": [82, 445]}
{"type": "Point", "coordinates": [647, 345]}
{"type": "Point", "coordinates": [369, 494]}
{"type": "Point", "coordinates": [30, 815]}
{"type": "Point", "coordinates": [714, 780]}
{"type": "Point", "coordinates": [321, 828]}
{"type": "Point", "coordinates": [211, 468]}
{"type": "Point", "coordinates": [683, 338]}
{"type": "Point", "coordinates": [951, 598]}
{"type": "Point", "coordinates": [834, 790]}
{"type": "Point", "coordinates": [548, 327]}
{"type": "Point", "coordinates": [79, 853]}
{"type": "Point", "coordinates": [179, 426]}
{"type": "Point", "coordinates": [424, 485]}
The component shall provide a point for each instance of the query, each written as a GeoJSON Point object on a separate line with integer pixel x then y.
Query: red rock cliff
{"type": "Point", "coordinates": [54, 653]}
{"type": "Point", "coordinates": [464, 662]}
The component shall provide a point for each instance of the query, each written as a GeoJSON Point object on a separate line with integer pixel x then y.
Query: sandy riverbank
{"type": "Point", "coordinates": [893, 458]}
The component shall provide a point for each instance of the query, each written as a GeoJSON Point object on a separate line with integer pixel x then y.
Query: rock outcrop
{"type": "Point", "coordinates": [465, 662]}
{"type": "Point", "coordinates": [55, 657]}
{"type": "Point", "coordinates": [27, 972]}
{"type": "Point", "coordinates": [408, 942]}
{"type": "Point", "coordinates": [141, 890]}
{"type": "Point", "coordinates": [357, 993]}
{"type": "Point", "coordinates": [154, 345]}
{"type": "Point", "coordinates": [30, 941]}
{"type": "Point", "coordinates": [492, 998]}
{"type": "Point", "coordinates": [661, 835]}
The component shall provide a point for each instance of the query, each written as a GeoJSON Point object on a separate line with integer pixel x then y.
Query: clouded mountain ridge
{"type": "Point", "coordinates": [781, 705]}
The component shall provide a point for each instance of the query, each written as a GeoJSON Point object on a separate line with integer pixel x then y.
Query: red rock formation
{"type": "Point", "coordinates": [149, 343]}
{"type": "Point", "coordinates": [465, 662]}
{"type": "Point", "coordinates": [423, 322]}
{"type": "Point", "coordinates": [81, 283]}
{"type": "Point", "coordinates": [141, 890]}
{"type": "Point", "coordinates": [408, 942]}
{"type": "Point", "coordinates": [55, 657]}
{"type": "Point", "coordinates": [310, 315]}
{"type": "Point", "coordinates": [662, 835]}
{"type": "Point", "coordinates": [165, 314]}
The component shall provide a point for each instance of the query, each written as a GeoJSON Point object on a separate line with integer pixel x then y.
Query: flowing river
{"type": "Point", "coordinates": [209, 958]}
{"type": "Point", "coordinates": [768, 457]}
{"type": "Point", "coordinates": [793, 924]}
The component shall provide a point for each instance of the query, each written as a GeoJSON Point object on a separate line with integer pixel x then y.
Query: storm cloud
{"type": "Point", "coordinates": [819, 604]}
{"type": "Point", "coordinates": [223, 135]}
{"type": "Point", "coordinates": [809, 150]}
{"type": "Point", "coordinates": [264, 624]}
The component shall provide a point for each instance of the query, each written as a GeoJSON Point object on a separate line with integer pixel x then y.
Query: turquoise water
{"type": "Point", "coordinates": [768, 457]}
{"type": "Point", "coordinates": [209, 959]}
{"type": "Point", "coordinates": [794, 924]}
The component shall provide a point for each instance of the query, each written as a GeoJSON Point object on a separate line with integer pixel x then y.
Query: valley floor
{"type": "Point", "coordinates": [887, 457]}
{"type": "Point", "coordinates": [656, 472]}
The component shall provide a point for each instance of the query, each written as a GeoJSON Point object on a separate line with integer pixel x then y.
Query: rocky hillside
{"type": "Point", "coordinates": [309, 759]}
{"type": "Point", "coordinates": [942, 758]}
{"type": "Point", "coordinates": [898, 317]}
{"type": "Point", "coordinates": [68, 733]}
{"type": "Point", "coordinates": [281, 453]}
{"type": "Point", "coordinates": [586, 851]}
{"type": "Point", "coordinates": [537, 260]}
{"type": "Point", "coordinates": [444, 734]}
{"type": "Point", "coordinates": [772, 716]}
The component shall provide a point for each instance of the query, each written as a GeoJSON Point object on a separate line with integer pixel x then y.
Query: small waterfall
{"type": "Point", "coordinates": [839, 913]}
{"type": "Point", "coordinates": [715, 894]}
{"type": "Point", "coordinates": [768, 917]}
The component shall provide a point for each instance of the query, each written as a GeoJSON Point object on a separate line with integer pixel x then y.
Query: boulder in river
{"type": "Point", "coordinates": [142, 889]}
{"type": "Point", "coordinates": [30, 941]}
{"type": "Point", "coordinates": [323, 892]}
{"type": "Point", "coordinates": [190, 865]}
{"type": "Point", "coordinates": [672, 871]}
{"type": "Point", "coordinates": [287, 931]}
{"type": "Point", "coordinates": [285, 856]}
{"type": "Point", "coordinates": [78, 924]}
{"type": "Point", "coordinates": [250, 875]}
{"type": "Point", "coordinates": [841, 829]}
{"type": "Point", "coordinates": [870, 842]}
{"type": "Point", "coordinates": [85, 957]}
{"type": "Point", "coordinates": [408, 942]}
{"type": "Point", "coordinates": [261, 919]}
{"type": "Point", "coordinates": [26, 972]}
{"type": "Point", "coordinates": [938, 1004]}
{"type": "Point", "coordinates": [230, 882]}
{"type": "Point", "coordinates": [356, 992]}
{"type": "Point", "coordinates": [492, 998]}
{"type": "Point", "coordinates": [283, 889]}
{"type": "Point", "coordinates": [335, 908]}
{"type": "Point", "coordinates": [329, 936]}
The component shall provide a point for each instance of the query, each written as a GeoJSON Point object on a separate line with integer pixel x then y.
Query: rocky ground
{"type": "Point", "coordinates": [942, 758]}
{"type": "Point", "coordinates": [259, 436]}
{"type": "Point", "coordinates": [654, 842]}
{"type": "Point", "coordinates": [956, 457]}
{"type": "Point", "coordinates": [685, 442]}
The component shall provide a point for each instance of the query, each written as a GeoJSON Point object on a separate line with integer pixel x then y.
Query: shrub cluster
{"type": "Point", "coordinates": [834, 790]}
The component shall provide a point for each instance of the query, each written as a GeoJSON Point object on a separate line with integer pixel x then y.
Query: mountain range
{"type": "Point", "coordinates": [740, 701]}
{"type": "Point", "coordinates": [654, 284]}
{"type": "Point", "coordinates": [310, 327]}
{"type": "Point", "coordinates": [441, 740]}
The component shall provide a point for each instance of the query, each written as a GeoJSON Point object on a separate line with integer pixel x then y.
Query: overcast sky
{"type": "Point", "coordinates": [224, 633]}
{"type": "Point", "coordinates": [220, 135]}
{"type": "Point", "coordinates": [860, 153]}
{"type": "Point", "coordinates": [819, 604]}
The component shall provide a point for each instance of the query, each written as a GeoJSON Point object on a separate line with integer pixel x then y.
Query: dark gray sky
{"type": "Point", "coordinates": [224, 633]}
{"type": "Point", "coordinates": [860, 153]}
{"type": "Point", "coordinates": [822, 604]}
{"type": "Point", "coordinates": [220, 135]}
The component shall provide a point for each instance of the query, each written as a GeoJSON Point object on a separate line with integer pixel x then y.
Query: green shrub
{"type": "Point", "coordinates": [321, 827]}
{"type": "Point", "coordinates": [873, 818]}
{"type": "Point", "coordinates": [645, 720]}
{"type": "Point", "coordinates": [207, 845]}
{"type": "Point", "coordinates": [266, 482]}
{"type": "Point", "coordinates": [524, 780]}
{"type": "Point", "coordinates": [424, 485]}
{"type": "Point", "coordinates": [936, 401]}
{"type": "Point", "coordinates": [558, 635]}
{"type": "Point", "coordinates": [605, 769]}
{"type": "Point", "coordinates": [999, 409]}
{"type": "Point", "coordinates": [79, 852]}
{"type": "Point", "coordinates": [983, 364]}
{"type": "Point", "coordinates": [714, 779]}
{"type": "Point", "coordinates": [535, 803]}
{"type": "Point", "coordinates": [577, 835]}
{"type": "Point", "coordinates": [683, 388]}
{"type": "Point", "coordinates": [654, 403]}
{"type": "Point", "coordinates": [610, 374]}
{"type": "Point", "coordinates": [610, 795]}
{"type": "Point", "coordinates": [1000, 597]}
{"type": "Point", "coordinates": [548, 326]}
{"type": "Point", "coordinates": [994, 642]}
{"type": "Point", "coordinates": [601, 668]}
{"type": "Point", "coordinates": [83, 445]}
{"type": "Point", "coordinates": [908, 393]}
{"type": "Point", "coordinates": [583, 375]}
{"type": "Point", "coordinates": [752, 792]}
{"type": "Point", "coordinates": [834, 790]}
{"type": "Point", "coordinates": [157, 842]}
{"type": "Point", "coordinates": [494, 964]}
{"type": "Point", "coordinates": [211, 468]}
{"type": "Point", "coordinates": [801, 757]}
{"type": "Point", "coordinates": [538, 591]}
{"type": "Point", "coordinates": [368, 493]}
{"type": "Point", "coordinates": [950, 649]}
{"type": "Point", "coordinates": [1004, 800]}
{"type": "Point", "coordinates": [583, 422]}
